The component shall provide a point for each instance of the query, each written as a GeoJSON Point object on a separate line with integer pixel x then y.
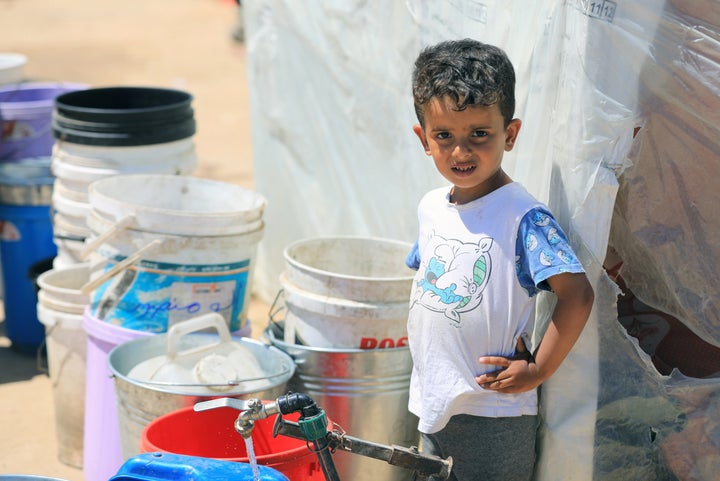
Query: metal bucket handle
{"type": "Point", "coordinates": [289, 325]}
{"type": "Point", "coordinates": [289, 330]}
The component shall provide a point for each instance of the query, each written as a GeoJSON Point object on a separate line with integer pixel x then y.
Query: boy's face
{"type": "Point", "coordinates": [467, 146]}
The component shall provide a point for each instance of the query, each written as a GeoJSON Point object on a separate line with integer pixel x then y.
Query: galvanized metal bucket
{"type": "Point", "coordinates": [364, 392]}
{"type": "Point", "coordinates": [140, 402]}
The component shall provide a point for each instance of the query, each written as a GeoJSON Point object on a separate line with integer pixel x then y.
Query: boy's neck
{"type": "Point", "coordinates": [461, 196]}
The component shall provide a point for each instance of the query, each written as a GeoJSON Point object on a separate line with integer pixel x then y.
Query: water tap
{"type": "Point", "coordinates": [250, 411]}
{"type": "Point", "coordinates": [313, 421]}
{"type": "Point", "coordinates": [245, 422]}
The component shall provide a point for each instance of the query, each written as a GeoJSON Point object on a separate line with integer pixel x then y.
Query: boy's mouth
{"type": "Point", "coordinates": [463, 169]}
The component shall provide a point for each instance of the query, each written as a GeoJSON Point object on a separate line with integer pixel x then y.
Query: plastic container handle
{"type": "Point", "coordinates": [205, 321]}
{"type": "Point", "coordinates": [120, 225]}
{"type": "Point", "coordinates": [120, 266]}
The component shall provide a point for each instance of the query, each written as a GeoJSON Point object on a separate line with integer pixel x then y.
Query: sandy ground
{"type": "Point", "coordinates": [181, 44]}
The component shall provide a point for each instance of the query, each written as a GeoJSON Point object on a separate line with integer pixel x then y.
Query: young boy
{"type": "Point", "coordinates": [484, 249]}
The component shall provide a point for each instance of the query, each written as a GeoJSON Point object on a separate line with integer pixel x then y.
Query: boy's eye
{"type": "Point", "coordinates": [443, 135]}
{"type": "Point", "coordinates": [480, 133]}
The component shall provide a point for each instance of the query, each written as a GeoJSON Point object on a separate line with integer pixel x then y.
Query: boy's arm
{"type": "Point", "coordinates": [574, 302]}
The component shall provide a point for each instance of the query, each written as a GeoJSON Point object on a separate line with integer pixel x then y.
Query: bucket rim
{"type": "Point", "coordinates": [12, 59]}
{"type": "Point", "coordinates": [62, 88]}
{"type": "Point", "coordinates": [100, 329]}
{"type": "Point", "coordinates": [314, 270]}
{"type": "Point", "coordinates": [55, 292]}
{"type": "Point", "coordinates": [62, 101]}
{"type": "Point", "coordinates": [286, 347]}
{"type": "Point", "coordinates": [299, 452]}
{"type": "Point", "coordinates": [27, 172]}
{"type": "Point", "coordinates": [252, 230]}
{"type": "Point", "coordinates": [282, 377]}
{"type": "Point", "coordinates": [224, 220]}
{"type": "Point", "coordinates": [321, 301]}
{"type": "Point", "coordinates": [28, 477]}
{"type": "Point", "coordinates": [50, 318]}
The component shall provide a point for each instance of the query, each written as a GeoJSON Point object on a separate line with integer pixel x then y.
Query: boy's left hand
{"type": "Point", "coordinates": [516, 374]}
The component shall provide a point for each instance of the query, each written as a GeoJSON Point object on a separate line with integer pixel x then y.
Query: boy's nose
{"type": "Point", "coordinates": [462, 149]}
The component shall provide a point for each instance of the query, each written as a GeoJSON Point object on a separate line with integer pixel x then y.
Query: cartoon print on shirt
{"type": "Point", "coordinates": [552, 236]}
{"type": "Point", "coordinates": [545, 250]}
{"type": "Point", "coordinates": [565, 257]}
{"type": "Point", "coordinates": [546, 257]}
{"type": "Point", "coordinates": [531, 242]}
{"type": "Point", "coordinates": [540, 219]}
{"type": "Point", "coordinates": [449, 285]}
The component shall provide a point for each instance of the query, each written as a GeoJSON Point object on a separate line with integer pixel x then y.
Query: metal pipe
{"type": "Point", "coordinates": [424, 465]}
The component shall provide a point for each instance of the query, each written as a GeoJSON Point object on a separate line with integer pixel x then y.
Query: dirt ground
{"type": "Point", "coordinates": [183, 44]}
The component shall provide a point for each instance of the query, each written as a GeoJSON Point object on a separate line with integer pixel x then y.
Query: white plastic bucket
{"type": "Point", "coordinates": [80, 165]}
{"type": "Point", "coordinates": [60, 309]}
{"type": "Point", "coordinates": [350, 267]}
{"type": "Point", "coordinates": [69, 238]}
{"type": "Point", "coordinates": [12, 68]}
{"type": "Point", "coordinates": [167, 248]}
{"type": "Point", "coordinates": [346, 292]}
{"type": "Point", "coordinates": [60, 289]}
{"type": "Point", "coordinates": [66, 344]}
{"type": "Point", "coordinates": [331, 322]}
{"type": "Point", "coordinates": [180, 205]}
{"type": "Point", "coordinates": [76, 166]}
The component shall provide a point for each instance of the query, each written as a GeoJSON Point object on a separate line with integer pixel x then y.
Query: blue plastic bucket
{"type": "Point", "coordinates": [26, 239]}
{"type": "Point", "coordinates": [26, 118]}
{"type": "Point", "coordinates": [175, 467]}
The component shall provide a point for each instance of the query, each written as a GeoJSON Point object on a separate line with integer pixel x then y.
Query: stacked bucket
{"type": "Point", "coordinates": [345, 304]}
{"type": "Point", "coordinates": [141, 246]}
{"type": "Point", "coordinates": [95, 136]}
{"type": "Point", "coordinates": [105, 132]}
{"type": "Point", "coordinates": [26, 243]}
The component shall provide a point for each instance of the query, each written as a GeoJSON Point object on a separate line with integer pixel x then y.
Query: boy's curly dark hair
{"type": "Point", "coordinates": [468, 71]}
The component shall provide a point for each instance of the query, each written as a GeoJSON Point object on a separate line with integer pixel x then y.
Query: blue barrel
{"type": "Point", "coordinates": [177, 467]}
{"type": "Point", "coordinates": [26, 239]}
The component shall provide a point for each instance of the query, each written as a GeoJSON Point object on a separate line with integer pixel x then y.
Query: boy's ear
{"type": "Point", "coordinates": [421, 135]}
{"type": "Point", "coordinates": [511, 134]}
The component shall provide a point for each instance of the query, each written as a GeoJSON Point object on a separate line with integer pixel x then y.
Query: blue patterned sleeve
{"type": "Point", "coordinates": [413, 258]}
{"type": "Point", "coordinates": [542, 251]}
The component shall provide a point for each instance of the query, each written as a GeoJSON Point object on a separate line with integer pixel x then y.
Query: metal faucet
{"type": "Point", "coordinates": [312, 427]}
{"type": "Point", "coordinates": [254, 410]}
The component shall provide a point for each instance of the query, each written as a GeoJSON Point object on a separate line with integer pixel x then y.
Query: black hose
{"type": "Point", "coordinates": [294, 402]}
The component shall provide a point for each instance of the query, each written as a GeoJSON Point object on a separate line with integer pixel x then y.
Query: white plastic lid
{"type": "Point", "coordinates": [218, 366]}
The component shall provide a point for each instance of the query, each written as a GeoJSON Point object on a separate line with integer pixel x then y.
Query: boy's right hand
{"type": "Point", "coordinates": [517, 373]}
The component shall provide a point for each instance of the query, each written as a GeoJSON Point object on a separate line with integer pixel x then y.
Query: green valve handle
{"type": "Point", "coordinates": [314, 427]}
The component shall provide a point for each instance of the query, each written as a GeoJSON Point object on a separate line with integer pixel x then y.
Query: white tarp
{"type": "Point", "coordinates": [335, 154]}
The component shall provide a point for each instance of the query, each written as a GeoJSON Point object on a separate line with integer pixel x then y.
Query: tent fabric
{"type": "Point", "coordinates": [619, 102]}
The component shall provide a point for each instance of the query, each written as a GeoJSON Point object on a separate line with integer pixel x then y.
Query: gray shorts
{"type": "Point", "coordinates": [486, 449]}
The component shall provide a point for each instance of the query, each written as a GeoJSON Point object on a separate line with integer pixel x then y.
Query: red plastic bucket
{"type": "Point", "coordinates": [211, 434]}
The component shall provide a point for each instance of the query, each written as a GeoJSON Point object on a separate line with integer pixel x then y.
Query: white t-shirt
{"type": "Point", "coordinates": [466, 303]}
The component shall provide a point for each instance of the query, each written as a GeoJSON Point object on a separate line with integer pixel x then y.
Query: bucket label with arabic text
{"type": "Point", "coordinates": [153, 296]}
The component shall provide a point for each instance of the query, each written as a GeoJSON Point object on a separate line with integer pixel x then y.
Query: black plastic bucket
{"type": "Point", "coordinates": [123, 116]}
